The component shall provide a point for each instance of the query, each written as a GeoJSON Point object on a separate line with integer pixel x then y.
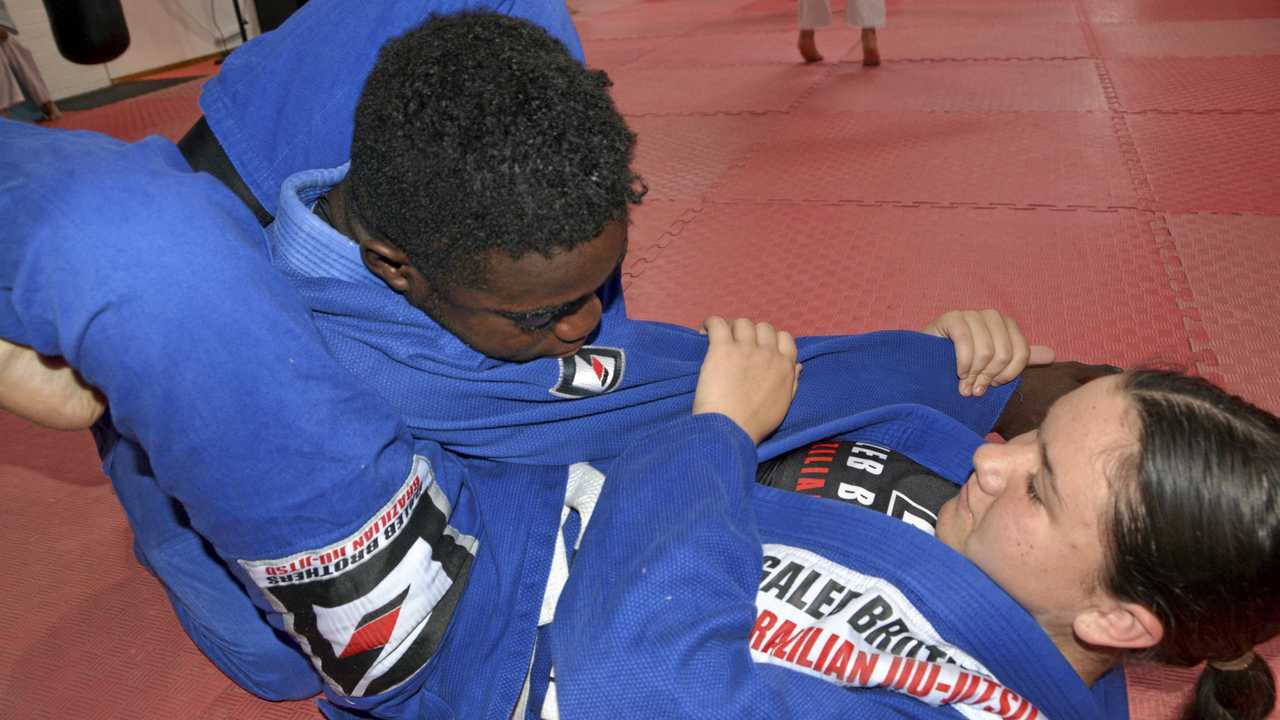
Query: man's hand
{"type": "Point", "coordinates": [990, 349]}
{"type": "Point", "coordinates": [1040, 387]}
{"type": "Point", "coordinates": [749, 374]}
{"type": "Point", "coordinates": [45, 391]}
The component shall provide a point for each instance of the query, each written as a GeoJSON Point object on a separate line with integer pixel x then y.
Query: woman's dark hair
{"type": "Point", "coordinates": [478, 132]}
{"type": "Point", "coordinates": [1196, 536]}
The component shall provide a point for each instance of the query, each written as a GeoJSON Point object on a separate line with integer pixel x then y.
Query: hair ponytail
{"type": "Point", "coordinates": [1195, 536]}
{"type": "Point", "coordinates": [1247, 693]}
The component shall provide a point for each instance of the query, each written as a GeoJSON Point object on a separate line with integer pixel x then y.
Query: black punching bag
{"type": "Point", "coordinates": [88, 32]}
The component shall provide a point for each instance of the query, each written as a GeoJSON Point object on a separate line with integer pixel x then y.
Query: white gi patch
{"type": "Point", "coordinates": [371, 608]}
{"type": "Point", "coordinates": [856, 630]}
{"type": "Point", "coordinates": [593, 370]}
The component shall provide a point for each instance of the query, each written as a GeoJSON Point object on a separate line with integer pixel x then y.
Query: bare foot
{"type": "Point", "coordinates": [870, 48]}
{"type": "Point", "coordinates": [51, 111]}
{"type": "Point", "coordinates": [809, 47]}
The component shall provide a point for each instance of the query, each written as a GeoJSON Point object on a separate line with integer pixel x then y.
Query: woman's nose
{"type": "Point", "coordinates": [994, 464]}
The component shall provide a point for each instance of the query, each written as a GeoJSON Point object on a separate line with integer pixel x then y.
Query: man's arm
{"type": "Point", "coordinates": [992, 351]}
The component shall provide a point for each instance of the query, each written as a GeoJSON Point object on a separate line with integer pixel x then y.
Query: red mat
{"type": "Point", "coordinates": [1155, 10]}
{"type": "Point", "coordinates": [986, 86]}
{"type": "Point", "coordinates": [1210, 162]}
{"type": "Point", "coordinates": [1190, 39]}
{"type": "Point", "coordinates": [1059, 159]}
{"type": "Point", "coordinates": [1232, 84]}
{"type": "Point", "coordinates": [1089, 283]}
{"type": "Point", "coordinates": [1105, 170]}
{"type": "Point", "coordinates": [683, 157]}
{"type": "Point", "coordinates": [1230, 266]}
{"type": "Point", "coordinates": [965, 39]}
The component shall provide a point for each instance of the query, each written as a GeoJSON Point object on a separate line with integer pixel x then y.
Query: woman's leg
{"type": "Point", "coordinates": [813, 14]}
{"type": "Point", "coordinates": [868, 15]}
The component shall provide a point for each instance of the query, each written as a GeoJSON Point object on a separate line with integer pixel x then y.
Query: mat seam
{"type": "Point", "coordinates": [1158, 224]}
{"type": "Point", "coordinates": [636, 264]}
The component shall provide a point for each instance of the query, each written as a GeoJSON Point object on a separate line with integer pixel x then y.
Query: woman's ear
{"type": "Point", "coordinates": [1121, 625]}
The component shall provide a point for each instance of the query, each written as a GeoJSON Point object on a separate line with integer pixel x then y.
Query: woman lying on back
{"type": "Point", "coordinates": [1141, 521]}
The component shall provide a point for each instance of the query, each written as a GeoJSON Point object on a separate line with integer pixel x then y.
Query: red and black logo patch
{"type": "Point", "coordinates": [371, 609]}
{"type": "Point", "coordinates": [590, 371]}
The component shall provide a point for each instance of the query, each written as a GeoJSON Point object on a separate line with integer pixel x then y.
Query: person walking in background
{"type": "Point", "coordinates": [866, 14]}
{"type": "Point", "coordinates": [19, 76]}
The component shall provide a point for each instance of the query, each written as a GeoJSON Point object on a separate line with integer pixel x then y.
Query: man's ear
{"type": "Point", "coordinates": [1121, 625]}
{"type": "Point", "coordinates": [386, 260]}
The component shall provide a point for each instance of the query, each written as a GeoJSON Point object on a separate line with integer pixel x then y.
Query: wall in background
{"type": "Point", "coordinates": [63, 77]}
{"type": "Point", "coordinates": [162, 32]}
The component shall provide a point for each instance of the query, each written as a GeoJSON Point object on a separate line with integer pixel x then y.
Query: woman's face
{"type": "Point", "coordinates": [1030, 514]}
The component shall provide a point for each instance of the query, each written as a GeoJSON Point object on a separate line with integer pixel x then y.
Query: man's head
{"type": "Point", "coordinates": [490, 182]}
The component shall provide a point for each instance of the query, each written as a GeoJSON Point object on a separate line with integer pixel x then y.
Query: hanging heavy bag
{"type": "Point", "coordinates": [88, 32]}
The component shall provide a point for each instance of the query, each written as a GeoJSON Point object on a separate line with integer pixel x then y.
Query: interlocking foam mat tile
{"type": "Point", "coordinates": [682, 157]}
{"type": "Point", "coordinates": [1189, 39]}
{"type": "Point", "coordinates": [1014, 15]}
{"type": "Point", "coordinates": [1157, 10]}
{"type": "Point", "coordinates": [1050, 86]}
{"type": "Point", "coordinates": [654, 224]}
{"type": "Point", "coordinates": [1220, 84]}
{"type": "Point", "coordinates": [1018, 158]}
{"type": "Point", "coordinates": [617, 53]}
{"type": "Point", "coordinates": [711, 90]}
{"type": "Point", "coordinates": [646, 21]}
{"type": "Point", "coordinates": [969, 39]}
{"type": "Point", "coordinates": [745, 48]}
{"type": "Point", "coordinates": [1229, 264]}
{"type": "Point", "coordinates": [824, 269]}
{"type": "Point", "coordinates": [1224, 163]}
{"type": "Point", "coordinates": [169, 112]}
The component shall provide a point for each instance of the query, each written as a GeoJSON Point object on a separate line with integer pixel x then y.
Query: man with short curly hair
{"type": "Point", "coordinates": [490, 183]}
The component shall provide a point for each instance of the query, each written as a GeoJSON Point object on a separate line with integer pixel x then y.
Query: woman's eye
{"type": "Point", "coordinates": [1031, 489]}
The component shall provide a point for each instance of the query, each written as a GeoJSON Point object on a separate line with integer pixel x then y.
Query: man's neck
{"type": "Point", "coordinates": [339, 215]}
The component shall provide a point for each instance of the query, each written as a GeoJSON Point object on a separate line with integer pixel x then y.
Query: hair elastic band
{"type": "Point", "coordinates": [1241, 663]}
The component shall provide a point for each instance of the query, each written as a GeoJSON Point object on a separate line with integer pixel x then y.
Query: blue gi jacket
{"type": "Point", "coordinates": [247, 458]}
{"type": "Point", "coordinates": [666, 612]}
{"type": "Point", "coordinates": [480, 406]}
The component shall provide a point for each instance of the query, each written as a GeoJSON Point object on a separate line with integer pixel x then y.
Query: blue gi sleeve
{"type": "Point", "coordinates": [151, 281]}
{"type": "Point", "coordinates": [655, 617]}
{"type": "Point", "coordinates": [286, 101]}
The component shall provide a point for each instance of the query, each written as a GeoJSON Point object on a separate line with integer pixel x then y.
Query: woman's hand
{"type": "Point", "coordinates": [45, 390]}
{"type": "Point", "coordinates": [749, 374]}
{"type": "Point", "coordinates": [990, 349]}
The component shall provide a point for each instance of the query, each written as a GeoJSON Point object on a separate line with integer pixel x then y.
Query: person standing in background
{"type": "Point", "coordinates": [866, 14]}
{"type": "Point", "coordinates": [19, 76]}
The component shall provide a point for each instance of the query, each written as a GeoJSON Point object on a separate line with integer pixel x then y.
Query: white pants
{"type": "Point", "coordinates": [816, 14]}
{"type": "Point", "coordinates": [19, 76]}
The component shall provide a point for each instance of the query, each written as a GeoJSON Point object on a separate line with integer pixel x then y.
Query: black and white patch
{"type": "Point", "coordinates": [590, 371]}
{"type": "Point", "coordinates": [371, 608]}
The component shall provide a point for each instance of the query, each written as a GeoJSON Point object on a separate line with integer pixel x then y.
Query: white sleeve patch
{"type": "Point", "coordinates": [371, 608]}
{"type": "Point", "coordinates": [856, 630]}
